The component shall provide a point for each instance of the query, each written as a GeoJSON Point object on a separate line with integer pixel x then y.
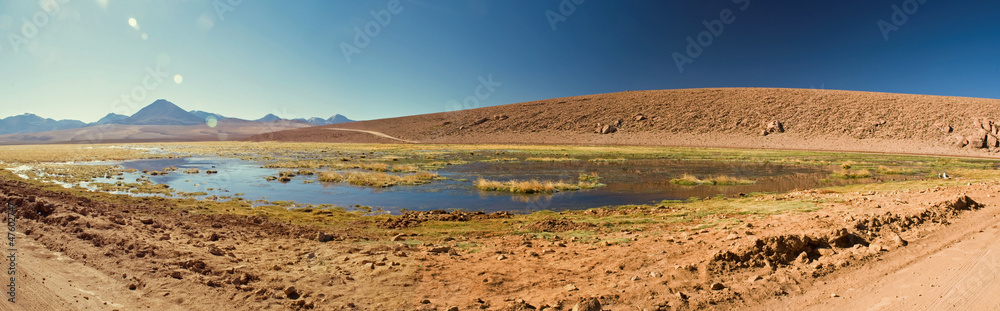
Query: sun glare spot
{"type": "Point", "coordinates": [178, 79]}
{"type": "Point", "coordinates": [132, 22]}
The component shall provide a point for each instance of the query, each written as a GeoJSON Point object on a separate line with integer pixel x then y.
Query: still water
{"type": "Point", "coordinates": [640, 181]}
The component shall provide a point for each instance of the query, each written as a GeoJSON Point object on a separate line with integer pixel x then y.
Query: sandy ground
{"type": "Point", "coordinates": [140, 254]}
{"type": "Point", "coordinates": [47, 280]}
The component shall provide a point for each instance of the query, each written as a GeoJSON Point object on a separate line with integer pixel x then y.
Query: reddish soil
{"type": "Point", "coordinates": [141, 254]}
{"type": "Point", "coordinates": [736, 117]}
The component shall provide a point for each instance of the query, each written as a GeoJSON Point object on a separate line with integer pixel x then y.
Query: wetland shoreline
{"type": "Point", "coordinates": [716, 252]}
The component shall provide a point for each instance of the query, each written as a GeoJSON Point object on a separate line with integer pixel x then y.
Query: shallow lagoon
{"type": "Point", "coordinates": [635, 181]}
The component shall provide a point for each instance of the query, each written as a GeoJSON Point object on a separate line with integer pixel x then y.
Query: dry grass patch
{"type": "Point", "coordinates": [536, 186]}
{"type": "Point", "coordinates": [377, 179]}
{"type": "Point", "coordinates": [547, 159]}
{"type": "Point", "coordinates": [885, 170]}
{"type": "Point", "coordinates": [603, 160]}
{"type": "Point", "coordinates": [721, 180]}
{"type": "Point", "coordinates": [852, 174]}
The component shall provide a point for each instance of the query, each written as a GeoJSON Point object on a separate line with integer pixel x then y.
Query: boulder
{"type": "Point", "coordinates": [991, 141]}
{"type": "Point", "coordinates": [960, 141]}
{"type": "Point", "coordinates": [774, 127]}
{"type": "Point", "coordinates": [639, 117]}
{"type": "Point", "coordinates": [479, 121]}
{"type": "Point", "coordinates": [978, 140]}
{"type": "Point", "coordinates": [607, 129]}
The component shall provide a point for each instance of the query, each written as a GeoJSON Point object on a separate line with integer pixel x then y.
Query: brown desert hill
{"type": "Point", "coordinates": [720, 117]}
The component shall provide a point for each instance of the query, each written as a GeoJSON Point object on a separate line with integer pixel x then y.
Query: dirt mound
{"type": "Point", "coordinates": [558, 225]}
{"type": "Point", "coordinates": [733, 117]}
{"type": "Point", "coordinates": [876, 231]}
{"type": "Point", "coordinates": [197, 259]}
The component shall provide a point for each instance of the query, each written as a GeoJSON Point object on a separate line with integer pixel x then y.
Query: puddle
{"type": "Point", "coordinates": [629, 182]}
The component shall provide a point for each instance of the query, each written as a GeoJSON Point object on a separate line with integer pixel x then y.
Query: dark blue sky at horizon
{"type": "Point", "coordinates": [249, 58]}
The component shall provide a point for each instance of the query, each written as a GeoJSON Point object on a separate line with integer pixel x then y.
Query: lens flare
{"type": "Point", "coordinates": [211, 121]}
{"type": "Point", "coordinates": [178, 79]}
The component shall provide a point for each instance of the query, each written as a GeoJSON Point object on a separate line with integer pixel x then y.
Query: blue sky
{"type": "Point", "coordinates": [82, 59]}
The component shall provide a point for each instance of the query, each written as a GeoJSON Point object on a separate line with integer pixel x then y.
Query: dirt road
{"type": "Point", "coordinates": [47, 280]}
{"type": "Point", "coordinates": [954, 269]}
{"type": "Point", "coordinates": [379, 134]}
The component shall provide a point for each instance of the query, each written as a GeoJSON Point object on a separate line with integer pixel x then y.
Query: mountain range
{"type": "Point", "coordinates": [160, 112]}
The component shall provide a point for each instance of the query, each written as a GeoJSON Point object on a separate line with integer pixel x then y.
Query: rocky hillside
{"type": "Point", "coordinates": [729, 117]}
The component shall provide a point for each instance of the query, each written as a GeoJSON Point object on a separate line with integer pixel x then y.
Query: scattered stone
{"type": "Point", "coordinates": [803, 258]}
{"type": "Point", "coordinates": [639, 117]}
{"type": "Point", "coordinates": [717, 286]}
{"type": "Point", "coordinates": [606, 129]}
{"type": "Point", "coordinates": [501, 257]}
{"type": "Point", "coordinates": [944, 128]}
{"type": "Point", "coordinates": [176, 274]}
{"type": "Point", "coordinates": [875, 247]}
{"type": "Point", "coordinates": [754, 278]}
{"type": "Point", "coordinates": [398, 237]}
{"type": "Point", "coordinates": [425, 301]}
{"type": "Point", "coordinates": [588, 304]}
{"type": "Point", "coordinates": [773, 127]}
{"type": "Point", "coordinates": [896, 241]}
{"type": "Point", "coordinates": [570, 287]}
{"type": "Point", "coordinates": [452, 308]}
{"type": "Point", "coordinates": [440, 250]}
{"type": "Point", "coordinates": [324, 237]}
{"type": "Point", "coordinates": [291, 292]}
{"type": "Point", "coordinates": [214, 250]}
{"type": "Point", "coordinates": [834, 295]}
{"type": "Point", "coordinates": [655, 274]}
{"type": "Point", "coordinates": [479, 121]}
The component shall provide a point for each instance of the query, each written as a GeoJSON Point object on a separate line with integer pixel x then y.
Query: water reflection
{"type": "Point", "coordinates": [631, 182]}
